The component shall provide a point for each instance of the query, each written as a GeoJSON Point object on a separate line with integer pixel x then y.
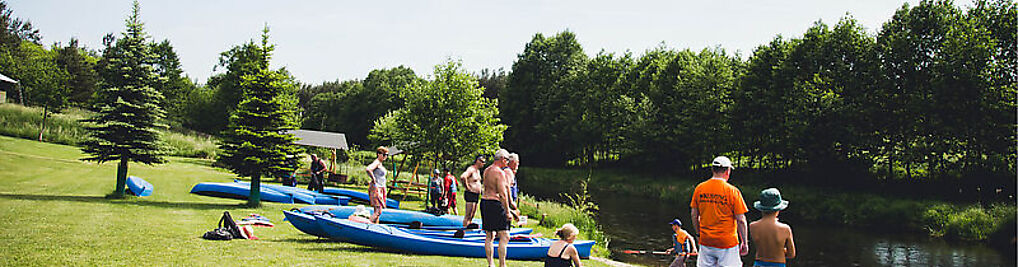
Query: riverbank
{"type": "Point", "coordinates": [993, 223]}
{"type": "Point", "coordinates": [52, 212]}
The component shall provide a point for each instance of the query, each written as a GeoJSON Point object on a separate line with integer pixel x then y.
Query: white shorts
{"type": "Point", "coordinates": [712, 256]}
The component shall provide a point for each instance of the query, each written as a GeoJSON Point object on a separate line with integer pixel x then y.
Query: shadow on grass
{"type": "Point", "coordinates": [342, 246]}
{"type": "Point", "coordinates": [100, 199]}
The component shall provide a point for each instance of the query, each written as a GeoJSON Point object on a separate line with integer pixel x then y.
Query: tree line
{"type": "Point", "coordinates": [929, 97]}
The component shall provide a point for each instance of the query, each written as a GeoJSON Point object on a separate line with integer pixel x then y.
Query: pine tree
{"type": "Point", "coordinates": [255, 143]}
{"type": "Point", "coordinates": [128, 110]}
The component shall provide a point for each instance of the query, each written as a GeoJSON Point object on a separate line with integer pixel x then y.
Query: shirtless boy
{"type": "Point", "coordinates": [773, 239]}
{"type": "Point", "coordinates": [472, 180]}
{"type": "Point", "coordinates": [495, 213]}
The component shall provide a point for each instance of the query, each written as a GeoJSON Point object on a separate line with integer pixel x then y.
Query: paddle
{"type": "Point", "coordinates": [629, 251]}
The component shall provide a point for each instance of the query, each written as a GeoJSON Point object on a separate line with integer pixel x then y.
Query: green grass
{"type": "Point", "coordinates": [65, 128]}
{"type": "Point", "coordinates": [52, 212]}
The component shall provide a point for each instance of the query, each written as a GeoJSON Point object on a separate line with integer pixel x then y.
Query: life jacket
{"type": "Point", "coordinates": [679, 242]}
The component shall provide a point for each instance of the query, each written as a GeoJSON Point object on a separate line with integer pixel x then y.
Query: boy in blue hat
{"type": "Point", "coordinates": [683, 244]}
{"type": "Point", "coordinates": [773, 239]}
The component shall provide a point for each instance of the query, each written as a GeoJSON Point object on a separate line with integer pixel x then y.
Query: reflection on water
{"type": "Point", "coordinates": [642, 224]}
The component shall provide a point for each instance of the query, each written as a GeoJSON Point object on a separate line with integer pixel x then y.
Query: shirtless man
{"type": "Point", "coordinates": [773, 239]}
{"type": "Point", "coordinates": [494, 214]}
{"type": "Point", "coordinates": [472, 180]}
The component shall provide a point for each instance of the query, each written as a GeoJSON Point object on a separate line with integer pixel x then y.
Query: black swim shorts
{"type": "Point", "coordinates": [493, 216]}
{"type": "Point", "coordinates": [471, 197]}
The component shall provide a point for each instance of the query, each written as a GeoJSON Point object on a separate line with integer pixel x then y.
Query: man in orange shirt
{"type": "Point", "coordinates": [719, 215]}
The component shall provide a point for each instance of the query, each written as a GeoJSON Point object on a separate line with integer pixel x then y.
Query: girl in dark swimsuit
{"type": "Point", "coordinates": [562, 253]}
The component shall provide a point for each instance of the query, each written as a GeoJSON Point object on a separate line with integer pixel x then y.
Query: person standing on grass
{"type": "Point", "coordinates": [376, 190]}
{"type": "Point", "coordinates": [450, 191]}
{"type": "Point", "coordinates": [510, 175]}
{"type": "Point", "coordinates": [773, 239]}
{"type": "Point", "coordinates": [495, 214]}
{"type": "Point", "coordinates": [719, 216]}
{"type": "Point", "coordinates": [472, 181]}
{"type": "Point", "coordinates": [317, 171]}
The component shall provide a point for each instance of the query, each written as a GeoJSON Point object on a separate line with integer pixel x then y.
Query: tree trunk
{"type": "Point", "coordinates": [254, 200]}
{"type": "Point", "coordinates": [121, 178]}
{"type": "Point", "coordinates": [42, 127]}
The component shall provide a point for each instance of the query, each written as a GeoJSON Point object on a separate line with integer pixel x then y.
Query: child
{"type": "Point", "coordinates": [683, 244]}
{"type": "Point", "coordinates": [773, 239]}
{"type": "Point", "coordinates": [450, 189]}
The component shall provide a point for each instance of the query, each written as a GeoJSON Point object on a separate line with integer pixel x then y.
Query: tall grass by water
{"type": "Point", "coordinates": [67, 129]}
{"type": "Point", "coordinates": [955, 221]}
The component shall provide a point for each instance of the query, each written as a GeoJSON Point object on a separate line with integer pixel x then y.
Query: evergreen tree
{"type": "Point", "coordinates": [128, 110]}
{"type": "Point", "coordinates": [255, 142]}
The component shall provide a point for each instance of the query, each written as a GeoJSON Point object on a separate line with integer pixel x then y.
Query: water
{"type": "Point", "coordinates": [642, 224]}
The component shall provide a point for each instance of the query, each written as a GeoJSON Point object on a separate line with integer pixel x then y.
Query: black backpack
{"type": "Point", "coordinates": [227, 230]}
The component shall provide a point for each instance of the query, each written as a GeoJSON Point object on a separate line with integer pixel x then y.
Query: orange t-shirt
{"type": "Point", "coordinates": [718, 202]}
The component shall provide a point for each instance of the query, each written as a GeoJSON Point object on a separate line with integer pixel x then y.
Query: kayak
{"type": "Point", "coordinates": [393, 216]}
{"type": "Point", "coordinates": [138, 187]}
{"type": "Point", "coordinates": [359, 195]}
{"type": "Point", "coordinates": [306, 223]}
{"type": "Point", "coordinates": [239, 191]}
{"type": "Point", "coordinates": [384, 236]}
{"type": "Point", "coordinates": [319, 198]}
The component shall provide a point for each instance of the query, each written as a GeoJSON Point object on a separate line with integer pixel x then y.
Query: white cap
{"type": "Point", "coordinates": [722, 161]}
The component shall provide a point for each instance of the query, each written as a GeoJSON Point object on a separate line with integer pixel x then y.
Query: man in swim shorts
{"type": "Point", "coordinates": [495, 215]}
{"type": "Point", "coordinates": [472, 181]}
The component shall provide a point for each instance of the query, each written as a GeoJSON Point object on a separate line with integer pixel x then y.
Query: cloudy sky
{"type": "Point", "coordinates": [340, 40]}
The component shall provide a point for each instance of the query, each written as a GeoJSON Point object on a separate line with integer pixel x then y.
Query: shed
{"type": "Point", "coordinates": [3, 91]}
{"type": "Point", "coordinates": [322, 139]}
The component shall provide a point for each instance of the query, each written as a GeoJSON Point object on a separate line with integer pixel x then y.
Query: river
{"type": "Point", "coordinates": [642, 224]}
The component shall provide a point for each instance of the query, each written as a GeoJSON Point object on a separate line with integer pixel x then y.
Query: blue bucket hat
{"type": "Point", "coordinates": [770, 200]}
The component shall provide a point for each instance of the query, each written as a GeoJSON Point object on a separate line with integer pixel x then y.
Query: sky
{"type": "Point", "coordinates": [320, 41]}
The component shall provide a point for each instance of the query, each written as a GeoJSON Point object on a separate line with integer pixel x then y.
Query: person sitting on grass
{"type": "Point", "coordinates": [773, 239]}
{"type": "Point", "coordinates": [562, 253]}
{"type": "Point", "coordinates": [683, 244]}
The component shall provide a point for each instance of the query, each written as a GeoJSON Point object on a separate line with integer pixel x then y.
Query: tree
{"type": "Point", "coordinates": [82, 78]}
{"type": "Point", "coordinates": [172, 83]}
{"type": "Point", "coordinates": [241, 60]}
{"type": "Point", "coordinates": [493, 82]}
{"type": "Point", "coordinates": [447, 117]}
{"type": "Point", "coordinates": [128, 108]}
{"type": "Point", "coordinates": [686, 105]}
{"type": "Point", "coordinates": [534, 90]}
{"type": "Point", "coordinates": [255, 143]}
{"type": "Point", "coordinates": [14, 30]}
{"type": "Point", "coordinates": [590, 125]}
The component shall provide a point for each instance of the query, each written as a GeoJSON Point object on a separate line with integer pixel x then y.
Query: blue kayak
{"type": "Point", "coordinates": [306, 223]}
{"type": "Point", "coordinates": [384, 236]}
{"type": "Point", "coordinates": [393, 216]}
{"type": "Point", "coordinates": [239, 191]}
{"type": "Point", "coordinates": [319, 198]}
{"type": "Point", "coordinates": [359, 195]}
{"type": "Point", "coordinates": [138, 187]}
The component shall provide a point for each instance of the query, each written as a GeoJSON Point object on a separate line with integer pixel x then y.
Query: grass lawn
{"type": "Point", "coordinates": [52, 212]}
